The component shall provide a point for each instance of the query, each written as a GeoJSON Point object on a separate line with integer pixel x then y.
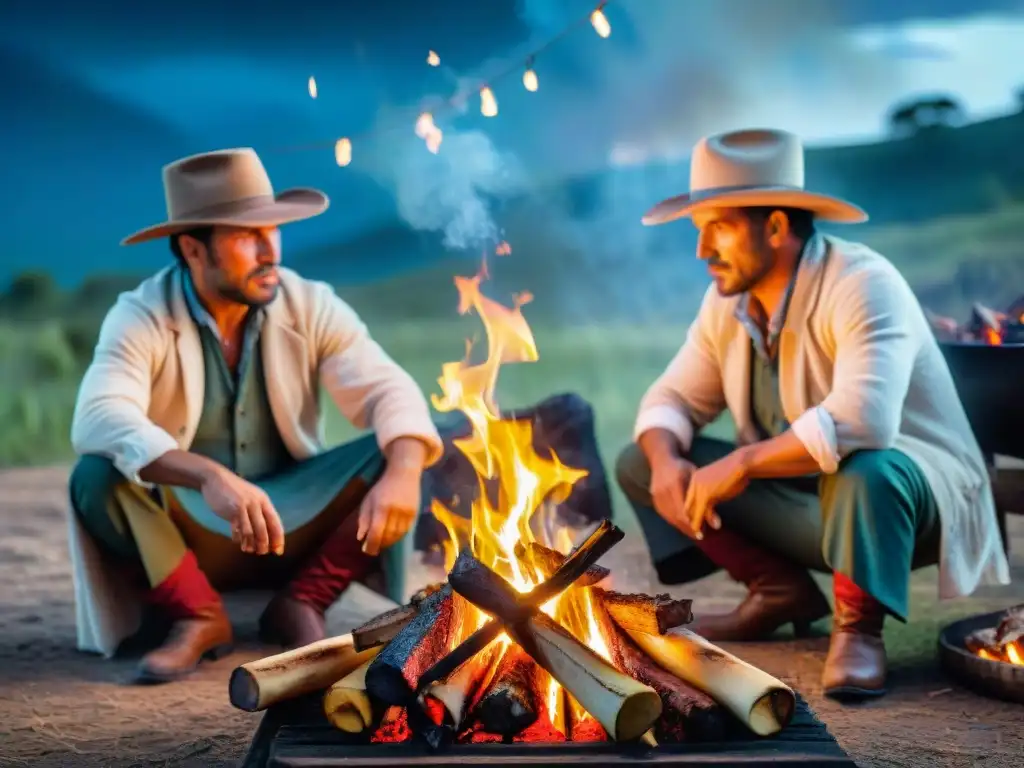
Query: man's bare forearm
{"type": "Point", "coordinates": [181, 468]}
{"type": "Point", "coordinates": [660, 446]}
{"type": "Point", "coordinates": [779, 457]}
{"type": "Point", "coordinates": [406, 454]}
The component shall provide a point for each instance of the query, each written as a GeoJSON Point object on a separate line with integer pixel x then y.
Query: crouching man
{"type": "Point", "coordinates": [854, 455]}
{"type": "Point", "coordinates": [198, 427]}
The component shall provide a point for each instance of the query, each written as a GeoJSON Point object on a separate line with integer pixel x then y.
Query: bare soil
{"type": "Point", "coordinates": [62, 707]}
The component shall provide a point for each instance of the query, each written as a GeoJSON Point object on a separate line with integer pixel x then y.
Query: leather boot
{"type": "Point", "coordinates": [856, 665]}
{"type": "Point", "coordinates": [295, 616]}
{"type": "Point", "coordinates": [780, 592]}
{"type": "Point", "coordinates": [200, 627]}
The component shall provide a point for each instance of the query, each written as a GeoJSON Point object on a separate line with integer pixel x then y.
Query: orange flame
{"type": "Point", "coordinates": [501, 451]}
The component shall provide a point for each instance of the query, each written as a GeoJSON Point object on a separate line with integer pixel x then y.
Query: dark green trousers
{"type": "Point", "coordinates": [874, 520]}
{"type": "Point", "coordinates": [311, 496]}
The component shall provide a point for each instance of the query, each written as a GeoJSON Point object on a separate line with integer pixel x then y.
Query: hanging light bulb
{"type": "Point", "coordinates": [530, 77]}
{"type": "Point", "coordinates": [343, 152]}
{"type": "Point", "coordinates": [424, 125]}
{"type": "Point", "coordinates": [600, 22]}
{"type": "Point", "coordinates": [312, 87]}
{"type": "Point", "coordinates": [433, 59]}
{"type": "Point", "coordinates": [488, 104]}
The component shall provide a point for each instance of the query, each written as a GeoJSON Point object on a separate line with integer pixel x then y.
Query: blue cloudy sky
{"type": "Point", "coordinates": [96, 99]}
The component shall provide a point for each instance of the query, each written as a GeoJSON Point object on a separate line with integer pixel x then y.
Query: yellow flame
{"type": "Point", "coordinates": [530, 80]}
{"type": "Point", "coordinates": [1014, 654]}
{"type": "Point", "coordinates": [600, 23]}
{"type": "Point", "coordinates": [488, 104]}
{"type": "Point", "coordinates": [312, 87]}
{"type": "Point", "coordinates": [433, 59]}
{"type": "Point", "coordinates": [514, 481]}
{"type": "Point", "coordinates": [343, 152]}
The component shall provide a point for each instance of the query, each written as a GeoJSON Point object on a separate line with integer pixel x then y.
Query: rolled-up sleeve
{"type": "Point", "coordinates": [369, 388]}
{"type": "Point", "coordinates": [688, 395]}
{"type": "Point", "coordinates": [876, 345]}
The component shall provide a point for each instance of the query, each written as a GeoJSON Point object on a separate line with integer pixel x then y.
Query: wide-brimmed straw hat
{"type": "Point", "coordinates": [753, 167]}
{"type": "Point", "coordinates": [231, 187]}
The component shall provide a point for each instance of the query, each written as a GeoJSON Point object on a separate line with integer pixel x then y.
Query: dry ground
{"type": "Point", "coordinates": [61, 707]}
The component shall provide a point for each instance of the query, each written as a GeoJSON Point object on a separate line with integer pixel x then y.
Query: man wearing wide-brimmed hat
{"type": "Point", "coordinates": [198, 425]}
{"type": "Point", "coordinates": [853, 454]}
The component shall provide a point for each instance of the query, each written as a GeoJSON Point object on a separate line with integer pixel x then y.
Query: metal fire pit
{"type": "Point", "coordinates": [295, 733]}
{"type": "Point", "coordinates": [992, 678]}
{"type": "Point", "coordinates": [988, 378]}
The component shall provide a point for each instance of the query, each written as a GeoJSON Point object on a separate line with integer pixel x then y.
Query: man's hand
{"type": "Point", "coordinates": [709, 486]}
{"type": "Point", "coordinates": [390, 508]}
{"type": "Point", "coordinates": [669, 480]}
{"type": "Point", "coordinates": [255, 524]}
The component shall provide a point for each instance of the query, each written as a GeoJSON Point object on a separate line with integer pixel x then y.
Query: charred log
{"type": "Point", "coordinates": [687, 714]}
{"type": "Point", "coordinates": [547, 561]}
{"type": "Point", "coordinates": [652, 615]}
{"type": "Point", "coordinates": [393, 675]}
{"type": "Point", "coordinates": [513, 699]}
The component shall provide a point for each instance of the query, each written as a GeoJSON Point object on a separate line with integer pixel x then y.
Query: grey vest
{"type": "Point", "coordinates": [236, 427]}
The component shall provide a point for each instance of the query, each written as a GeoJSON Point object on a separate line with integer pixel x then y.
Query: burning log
{"type": "Point", "coordinates": [625, 707]}
{"type": "Point", "coordinates": [394, 727]}
{"type": "Point", "coordinates": [393, 674]}
{"type": "Point", "coordinates": [687, 714]}
{"type": "Point", "coordinates": [258, 684]}
{"type": "Point", "coordinates": [548, 560]}
{"type": "Point", "coordinates": [1011, 627]}
{"type": "Point", "coordinates": [514, 697]}
{"type": "Point", "coordinates": [643, 613]}
{"type": "Point", "coordinates": [347, 705]}
{"type": "Point", "coordinates": [762, 702]}
{"type": "Point", "coordinates": [460, 688]}
{"type": "Point", "coordinates": [384, 628]}
{"type": "Point", "coordinates": [603, 538]}
{"type": "Point", "coordinates": [1003, 642]}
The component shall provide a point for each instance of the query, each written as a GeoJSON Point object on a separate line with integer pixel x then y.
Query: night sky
{"type": "Point", "coordinates": [95, 98]}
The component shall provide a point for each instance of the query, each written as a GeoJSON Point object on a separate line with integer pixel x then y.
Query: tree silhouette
{"type": "Point", "coordinates": [909, 117]}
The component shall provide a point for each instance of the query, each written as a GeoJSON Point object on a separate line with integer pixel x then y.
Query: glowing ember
{"type": "Point", "coordinates": [1003, 642]}
{"type": "Point", "coordinates": [501, 451]}
{"type": "Point", "coordinates": [433, 59]}
{"type": "Point", "coordinates": [312, 87]}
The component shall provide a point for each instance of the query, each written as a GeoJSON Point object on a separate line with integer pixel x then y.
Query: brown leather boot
{"type": "Point", "coordinates": [295, 616]}
{"type": "Point", "coordinates": [200, 629]}
{"type": "Point", "coordinates": [780, 593]}
{"type": "Point", "coordinates": [855, 668]}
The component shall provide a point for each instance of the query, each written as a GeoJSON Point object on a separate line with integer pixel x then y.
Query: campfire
{"type": "Point", "coordinates": [1003, 642]}
{"type": "Point", "coordinates": [525, 641]}
{"type": "Point", "coordinates": [985, 326]}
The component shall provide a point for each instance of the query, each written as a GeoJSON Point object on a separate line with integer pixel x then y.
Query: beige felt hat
{"type": "Point", "coordinates": [228, 186]}
{"type": "Point", "coordinates": [753, 167]}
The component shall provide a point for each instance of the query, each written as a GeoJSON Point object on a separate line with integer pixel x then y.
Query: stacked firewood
{"type": "Point", "coordinates": [432, 670]}
{"type": "Point", "coordinates": [984, 326]}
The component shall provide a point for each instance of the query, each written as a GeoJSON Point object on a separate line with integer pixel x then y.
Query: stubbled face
{"type": "Point", "coordinates": [240, 265]}
{"type": "Point", "coordinates": [735, 248]}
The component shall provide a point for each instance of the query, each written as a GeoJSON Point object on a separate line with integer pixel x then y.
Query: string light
{"type": "Point", "coordinates": [530, 77]}
{"type": "Point", "coordinates": [425, 127]}
{"type": "Point", "coordinates": [488, 104]}
{"type": "Point", "coordinates": [600, 21]}
{"type": "Point", "coordinates": [343, 152]}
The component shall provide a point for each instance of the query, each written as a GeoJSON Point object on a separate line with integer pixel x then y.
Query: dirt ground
{"type": "Point", "coordinates": [61, 707]}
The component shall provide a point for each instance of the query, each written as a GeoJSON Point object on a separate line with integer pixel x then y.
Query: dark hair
{"type": "Point", "coordinates": [801, 222]}
{"type": "Point", "coordinates": [202, 234]}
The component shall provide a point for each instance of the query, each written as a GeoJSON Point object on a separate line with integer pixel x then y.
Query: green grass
{"type": "Point", "coordinates": [46, 335]}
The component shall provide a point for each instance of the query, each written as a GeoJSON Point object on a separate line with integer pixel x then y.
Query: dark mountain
{"type": "Point", "coordinates": [61, 139]}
